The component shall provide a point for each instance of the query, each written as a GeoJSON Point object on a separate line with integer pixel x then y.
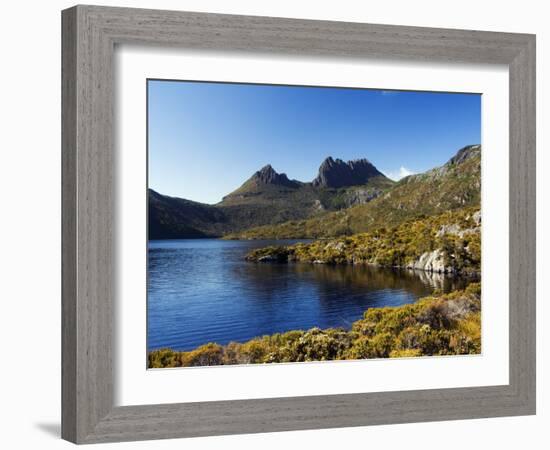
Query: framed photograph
{"type": "Point", "coordinates": [278, 224]}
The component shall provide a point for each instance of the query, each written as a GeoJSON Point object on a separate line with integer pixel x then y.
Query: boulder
{"type": "Point", "coordinates": [431, 262]}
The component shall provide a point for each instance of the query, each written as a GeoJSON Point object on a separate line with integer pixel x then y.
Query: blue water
{"type": "Point", "coordinates": [202, 290]}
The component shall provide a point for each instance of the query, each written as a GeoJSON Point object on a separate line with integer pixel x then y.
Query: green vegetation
{"type": "Point", "coordinates": [448, 242]}
{"type": "Point", "coordinates": [448, 324]}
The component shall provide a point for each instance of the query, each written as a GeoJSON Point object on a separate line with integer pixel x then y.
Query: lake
{"type": "Point", "coordinates": [202, 290]}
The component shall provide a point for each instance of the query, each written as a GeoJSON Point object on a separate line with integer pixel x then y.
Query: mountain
{"type": "Point", "coordinates": [454, 185]}
{"type": "Point", "coordinates": [345, 198]}
{"type": "Point", "coordinates": [268, 175]}
{"type": "Point", "coordinates": [337, 185]}
{"type": "Point", "coordinates": [266, 198]}
{"type": "Point", "coordinates": [465, 153]}
{"type": "Point", "coordinates": [172, 218]}
{"type": "Point", "coordinates": [265, 184]}
{"type": "Point", "coordinates": [337, 173]}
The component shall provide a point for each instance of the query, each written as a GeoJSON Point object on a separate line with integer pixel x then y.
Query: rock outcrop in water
{"type": "Point", "coordinates": [433, 261]}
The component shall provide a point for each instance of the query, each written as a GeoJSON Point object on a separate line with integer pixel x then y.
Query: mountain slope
{"type": "Point", "coordinates": [171, 218]}
{"type": "Point", "coordinates": [266, 182]}
{"type": "Point", "coordinates": [269, 197]}
{"type": "Point", "coordinates": [454, 185]}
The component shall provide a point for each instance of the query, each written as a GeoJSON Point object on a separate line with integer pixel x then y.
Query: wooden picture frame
{"type": "Point", "coordinates": [90, 34]}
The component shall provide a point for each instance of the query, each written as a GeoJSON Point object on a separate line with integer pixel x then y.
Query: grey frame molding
{"type": "Point", "coordinates": [89, 37]}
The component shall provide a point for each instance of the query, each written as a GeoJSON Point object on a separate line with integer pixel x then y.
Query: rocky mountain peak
{"type": "Point", "coordinates": [268, 175]}
{"type": "Point", "coordinates": [465, 153]}
{"type": "Point", "coordinates": [335, 173]}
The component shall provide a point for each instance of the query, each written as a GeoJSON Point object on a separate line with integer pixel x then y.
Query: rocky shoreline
{"type": "Point", "coordinates": [446, 244]}
{"type": "Point", "coordinates": [428, 262]}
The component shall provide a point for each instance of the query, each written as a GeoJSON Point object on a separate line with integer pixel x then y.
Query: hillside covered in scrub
{"type": "Point", "coordinates": [445, 243]}
{"type": "Point", "coordinates": [456, 184]}
{"type": "Point", "coordinates": [448, 324]}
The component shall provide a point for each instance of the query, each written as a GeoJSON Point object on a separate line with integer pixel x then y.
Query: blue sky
{"type": "Point", "coordinates": [206, 139]}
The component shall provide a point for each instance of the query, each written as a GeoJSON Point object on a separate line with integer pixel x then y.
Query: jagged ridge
{"type": "Point", "coordinates": [335, 173]}
{"type": "Point", "coordinates": [268, 175]}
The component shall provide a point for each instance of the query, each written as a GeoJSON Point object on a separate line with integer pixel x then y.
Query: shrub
{"type": "Point", "coordinates": [407, 353]}
{"type": "Point", "coordinates": [253, 351]}
{"type": "Point", "coordinates": [377, 346]}
{"type": "Point", "coordinates": [163, 358]}
{"type": "Point", "coordinates": [206, 355]}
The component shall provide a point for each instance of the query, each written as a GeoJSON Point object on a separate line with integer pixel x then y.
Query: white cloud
{"type": "Point", "coordinates": [396, 175]}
